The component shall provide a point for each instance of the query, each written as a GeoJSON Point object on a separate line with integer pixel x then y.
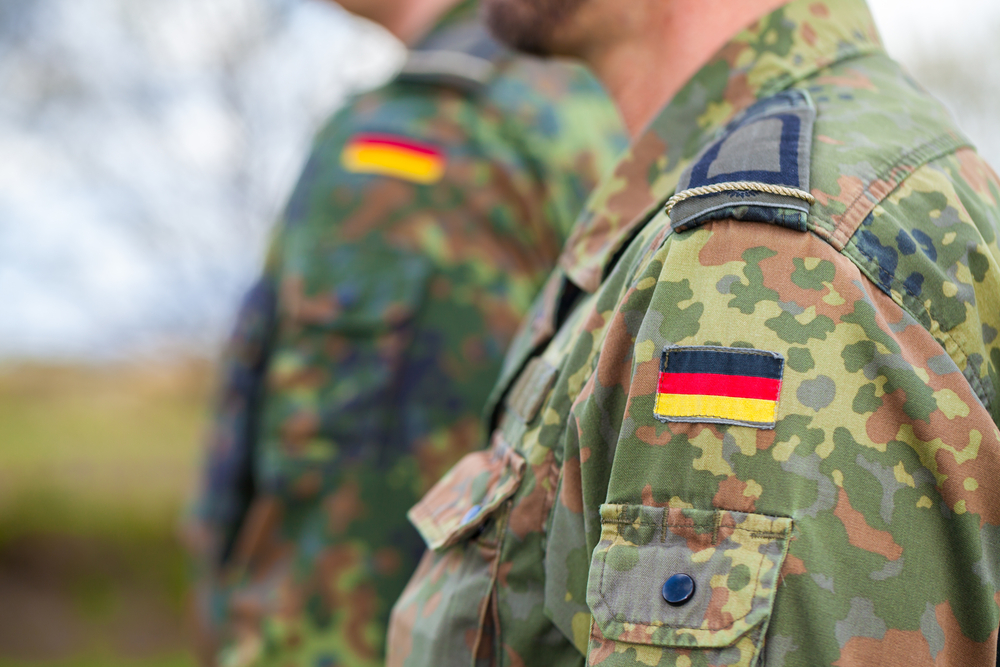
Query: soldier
{"type": "Point", "coordinates": [752, 418]}
{"type": "Point", "coordinates": [425, 220]}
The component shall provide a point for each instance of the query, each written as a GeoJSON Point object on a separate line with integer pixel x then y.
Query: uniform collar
{"type": "Point", "coordinates": [785, 47]}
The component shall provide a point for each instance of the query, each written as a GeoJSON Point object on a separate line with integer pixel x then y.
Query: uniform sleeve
{"type": "Point", "coordinates": [228, 484]}
{"type": "Point", "coordinates": [413, 243]}
{"type": "Point", "coordinates": [227, 487]}
{"type": "Point", "coordinates": [795, 457]}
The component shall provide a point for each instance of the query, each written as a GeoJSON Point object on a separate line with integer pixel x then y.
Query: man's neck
{"type": "Point", "coordinates": [412, 20]}
{"type": "Point", "coordinates": [661, 45]}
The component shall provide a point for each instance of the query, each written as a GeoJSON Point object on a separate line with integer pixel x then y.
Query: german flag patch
{"type": "Point", "coordinates": [719, 385]}
{"type": "Point", "coordinates": [390, 155]}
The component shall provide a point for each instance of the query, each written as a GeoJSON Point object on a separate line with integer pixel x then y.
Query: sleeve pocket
{"type": "Point", "coordinates": [465, 498]}
{"type": "Point", "coordinates": [731, 558]}
{"type": "Point", "coordinates": [348, 317]}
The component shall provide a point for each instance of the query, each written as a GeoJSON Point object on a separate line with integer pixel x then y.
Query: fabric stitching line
{"type": "Point", "coordinates": [728, 350]}
{"type": "Point", "coordinates": [701, 524]}
{"type": "Point", "coordinates": [495, 571]}
{"type": "Point", "coordinates": [924, 153]}
{"type": "Point", "coordinates": [626, 522]}
{"type": "Point", "coordinates": [710, 419]}
{"type": "Point", "coordinates": [781, 383]}
{"type": "Point", "coordinates": [836, 233]}
{"type": "Point", "coordinates": [723, 420]}
{"type": "Point", "coordinates": [938, 147]}
{"type": "Point", "coordinates": [768, 536]}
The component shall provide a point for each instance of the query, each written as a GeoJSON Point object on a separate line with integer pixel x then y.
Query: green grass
{"type": "Point", "coordinates": [118, 440]}
{"type": "Point", "coordinates": [96, 464]}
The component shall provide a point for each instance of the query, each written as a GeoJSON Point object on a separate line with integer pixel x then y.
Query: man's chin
{"type": "Point", "coordinates": [529, 26]}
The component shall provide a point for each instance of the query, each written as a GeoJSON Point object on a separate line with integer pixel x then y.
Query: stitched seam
{"type": "Point", "coordinates": [724, 349]}
{"type": "Point", "coordinates": [495, 572]}
{"type": "Point", "coordinates": [920, 155]}
{"type": "Point", "coordinates": [764, 426]}
{"type": "Point", "coordinates": [753, 533]}
{"type": "Point", "coordinates": [699, 524]}
{"type": "Point", "coordinates": [724, 420]}
{"type": "Point", "coordinates": [938, 147]}
{"type": "Point", "coordinates": [626, 522]}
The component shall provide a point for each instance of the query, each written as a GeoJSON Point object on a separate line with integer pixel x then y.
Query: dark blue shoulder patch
{"type": "Point", "coordinates": [757, 170]}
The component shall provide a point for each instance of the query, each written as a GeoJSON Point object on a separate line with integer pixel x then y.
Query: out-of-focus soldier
{"type": "Point", "coordinates": [424, 222]}
{"type": "Point", "coordinates": [753, 420]}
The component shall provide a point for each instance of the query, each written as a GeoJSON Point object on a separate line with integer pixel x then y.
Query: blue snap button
{"type": "Point", "coordinates": [678, 589]}
{"type": "Point", "coordinates": [471, 514]}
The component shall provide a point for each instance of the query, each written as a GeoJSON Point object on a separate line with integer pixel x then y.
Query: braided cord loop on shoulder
{"type": "Point", "coordinates": [734, 186]}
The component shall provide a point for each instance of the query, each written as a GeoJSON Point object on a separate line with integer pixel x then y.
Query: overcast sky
{"type": "Point", "coordinates": [149, 144]}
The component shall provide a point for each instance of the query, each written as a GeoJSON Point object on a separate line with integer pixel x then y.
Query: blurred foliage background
{"type": "Point", "coordinates": [149, 145]}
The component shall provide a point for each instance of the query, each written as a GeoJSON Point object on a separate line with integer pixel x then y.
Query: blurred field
{"type": "Point", "coordinates": [95, 466]}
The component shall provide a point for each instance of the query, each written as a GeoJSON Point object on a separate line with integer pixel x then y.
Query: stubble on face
{"type": "Point", "coordinates": [530, 26]}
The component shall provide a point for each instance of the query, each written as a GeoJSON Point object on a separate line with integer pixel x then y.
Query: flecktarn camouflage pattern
{"type": "Point", "coordinates": [427, 217]}
{"type": "Point", "coordinates": [824, 214]}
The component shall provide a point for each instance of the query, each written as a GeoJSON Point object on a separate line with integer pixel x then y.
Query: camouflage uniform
{"type": "Point", "coordinates": [424, 222]}
{"type": "Point", "coordinates": [758, 428]}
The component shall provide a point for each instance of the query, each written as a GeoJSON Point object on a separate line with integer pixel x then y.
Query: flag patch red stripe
{"type": "Point", "coordinates": [396, 142]}
{"type": "Point", "coordinates": [711, 384]}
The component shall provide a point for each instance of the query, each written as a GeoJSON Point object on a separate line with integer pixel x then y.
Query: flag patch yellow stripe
{"type": "Point", "coordinates": [393, 157]}
{"type": "Point", "coordinates": [716, 407]}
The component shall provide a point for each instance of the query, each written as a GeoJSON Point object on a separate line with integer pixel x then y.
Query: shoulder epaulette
{"type": "Point", "coordinates": [448, 68]}
{"type": "Point", "coordinates": [464, 57]}
{"type": "Point", "coordinates": [757, 170]}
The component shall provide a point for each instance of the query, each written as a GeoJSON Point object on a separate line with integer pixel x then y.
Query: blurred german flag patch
{"type": "Point", "coordinates": [391, 155]}
{"type": "Point", "coordinates": [721, 385]}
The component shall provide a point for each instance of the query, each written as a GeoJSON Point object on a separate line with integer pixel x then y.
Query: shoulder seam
{"type": "Point", "coordinates": [898, 291]}
{"type": "Point", "coordinates": [886, 181]}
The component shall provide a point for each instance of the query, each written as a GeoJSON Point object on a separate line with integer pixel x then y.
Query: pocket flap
{"type": "Point", "coordinates": [467, 496]}
{"type": "Point", "coordinates": [731, 558]}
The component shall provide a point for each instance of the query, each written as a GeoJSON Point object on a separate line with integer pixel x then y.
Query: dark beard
{"type": "Point", "coordinates": [528, 25]}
